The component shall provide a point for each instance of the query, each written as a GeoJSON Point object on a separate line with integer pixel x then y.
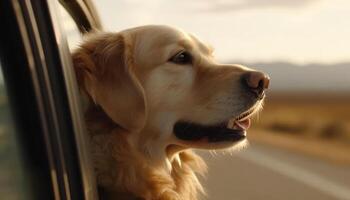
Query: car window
{"type": "Point", "coordinates": [11, 174]}
{"type": "Point", "coordinates": [70, 28]}
{"type": "Point", "coordinates": [39, 124]}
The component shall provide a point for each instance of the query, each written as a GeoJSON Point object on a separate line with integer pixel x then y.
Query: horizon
{"type": "Point", "coordinates": [346, 62]}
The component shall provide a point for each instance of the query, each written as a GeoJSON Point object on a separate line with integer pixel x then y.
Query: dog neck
{"type": "Point", "coordinates": [124, 170]}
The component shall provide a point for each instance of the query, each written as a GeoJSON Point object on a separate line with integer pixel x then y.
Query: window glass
{"type": "Point", "coordinates": [70, 31]}
{"type": "Point", "coordinates": [70, 28]}
{"type": "Point", "coordinates": [11, 174]}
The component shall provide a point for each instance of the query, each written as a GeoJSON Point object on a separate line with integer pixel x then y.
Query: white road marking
{"type": "Point", "coordinates": [297, 173]}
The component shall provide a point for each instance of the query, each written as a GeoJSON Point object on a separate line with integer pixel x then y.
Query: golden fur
{"type": "Point", "coordinates": [134, 98]}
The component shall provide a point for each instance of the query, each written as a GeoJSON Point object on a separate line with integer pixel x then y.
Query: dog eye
{"type": "Point", "coordinates": [181, 58]}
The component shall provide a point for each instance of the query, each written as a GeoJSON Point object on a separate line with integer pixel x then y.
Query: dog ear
{"type": "Point", "coordinates": [105, 71]}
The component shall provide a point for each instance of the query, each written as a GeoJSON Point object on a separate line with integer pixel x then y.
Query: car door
{"type": "Point", "coordinates": [42, 118]}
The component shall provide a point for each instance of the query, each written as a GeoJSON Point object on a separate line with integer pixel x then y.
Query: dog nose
{"type": "Point", "coordinates": [257, 82]}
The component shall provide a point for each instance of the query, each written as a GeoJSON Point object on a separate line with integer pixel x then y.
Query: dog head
{"type": "Point", "coordinates": [165, 88]}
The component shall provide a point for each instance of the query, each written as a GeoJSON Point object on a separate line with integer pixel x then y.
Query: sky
{"type": "Point", "coordinates": [297, 31]}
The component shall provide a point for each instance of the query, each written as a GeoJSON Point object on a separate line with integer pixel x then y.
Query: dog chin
{"type": "Point", "coordinates": [223, 145]}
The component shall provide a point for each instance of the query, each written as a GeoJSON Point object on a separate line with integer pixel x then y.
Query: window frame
{"type": "Point", "coordinates": [44, 98]}
{"type": "Point", "coordinates": [83, 13]}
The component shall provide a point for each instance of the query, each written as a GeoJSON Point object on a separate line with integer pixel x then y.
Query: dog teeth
{"type": "Point", "coordinates": [245, 115]}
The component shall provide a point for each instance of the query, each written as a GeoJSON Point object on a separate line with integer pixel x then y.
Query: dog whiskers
{"type": "Point", "coordinates": [236, 148]}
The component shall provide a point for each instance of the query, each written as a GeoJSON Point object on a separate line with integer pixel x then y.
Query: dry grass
{"type": "Point", "coordinates": [313, 124]}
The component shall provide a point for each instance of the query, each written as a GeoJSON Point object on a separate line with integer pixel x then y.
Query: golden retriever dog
{"type": "Point", "coordinates": [154, 93]}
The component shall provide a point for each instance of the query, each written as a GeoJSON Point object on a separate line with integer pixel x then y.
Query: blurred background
{"type": "Point", "coordinates": [300, 144]}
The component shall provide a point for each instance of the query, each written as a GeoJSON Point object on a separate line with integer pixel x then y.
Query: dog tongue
{"type": "Point", "coordinates": [242, 125]}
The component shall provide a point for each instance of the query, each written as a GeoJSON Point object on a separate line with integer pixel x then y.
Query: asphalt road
{"type": "Point", "coordinates": [262, 172]}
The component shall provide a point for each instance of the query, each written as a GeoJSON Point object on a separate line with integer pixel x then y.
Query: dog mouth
{"type": "Point", "coordinates": [232, 130]}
